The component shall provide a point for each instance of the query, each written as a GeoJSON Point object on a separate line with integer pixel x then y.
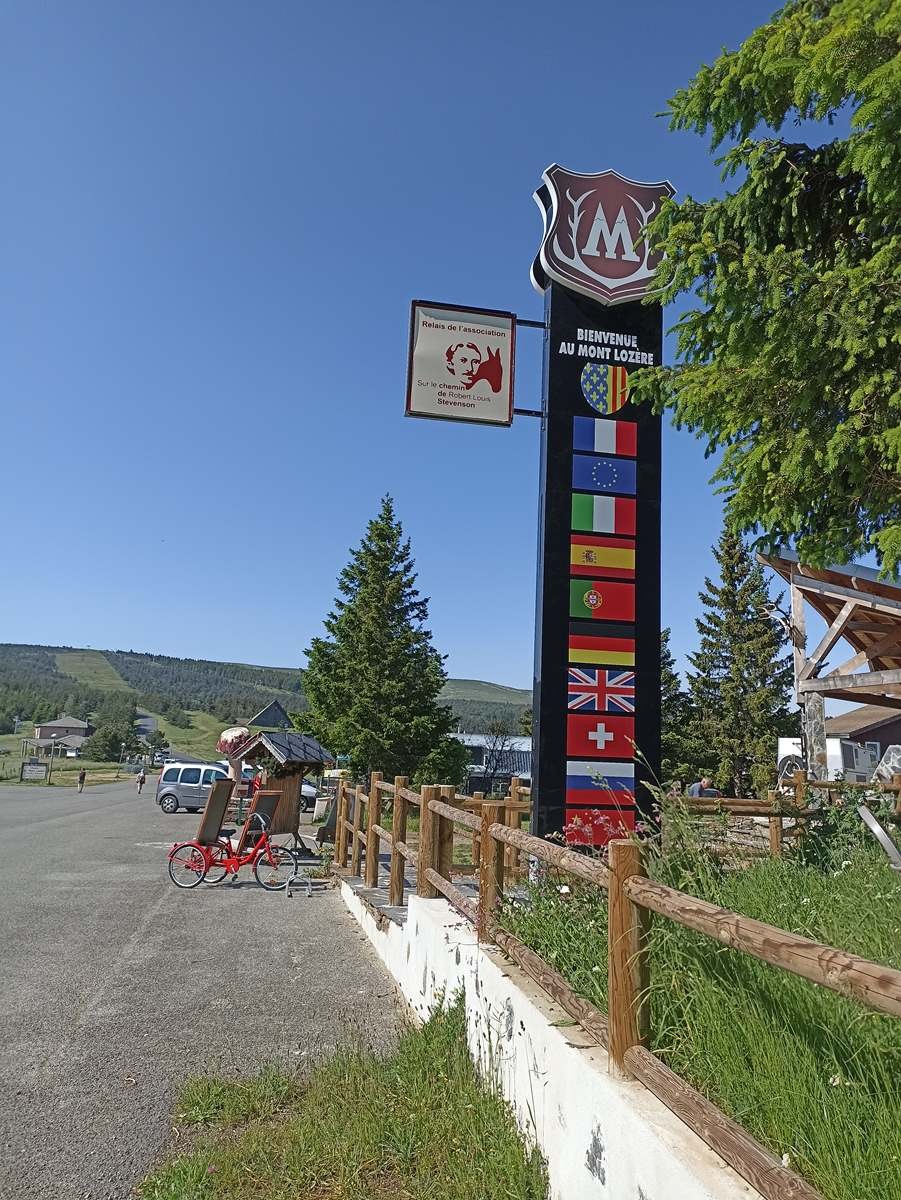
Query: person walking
{"type": "Point", "coordinates": [82, 776]}
{"type": "Point", "coordinates": [142, 779]}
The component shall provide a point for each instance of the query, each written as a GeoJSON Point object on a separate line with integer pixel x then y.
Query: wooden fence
{"type": "Point", "coordinates": [631, 897]}
{"type": "Point", "coordinates": [352, 839]}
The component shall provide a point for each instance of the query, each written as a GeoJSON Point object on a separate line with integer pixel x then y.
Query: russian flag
{"type": "Point", "coordinates": [591, 783]}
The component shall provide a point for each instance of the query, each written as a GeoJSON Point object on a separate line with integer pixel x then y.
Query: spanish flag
{"type": "Point", "coordinates": [604, 557]}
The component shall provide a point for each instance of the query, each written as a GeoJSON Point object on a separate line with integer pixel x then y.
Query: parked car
{"type": "Point", "coordinates": [186, 785]}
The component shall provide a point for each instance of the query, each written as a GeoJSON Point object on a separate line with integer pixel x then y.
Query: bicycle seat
{"type": "Point", "coordinates": [226, 833]}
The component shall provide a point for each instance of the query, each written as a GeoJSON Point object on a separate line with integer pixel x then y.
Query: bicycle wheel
{"type": "Point", "coordinates": [217, 870]}
{"type": "Point", "coordinates": [187, 865]}
{"type": "Point", "coordinates": [274, 875]}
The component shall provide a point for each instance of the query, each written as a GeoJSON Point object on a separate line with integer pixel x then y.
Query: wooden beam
{"type": "Point", "coordinates": [428, 843]}
{"type": "Point", "coordinates": [866, 679]}
{"type": "Point", "coordinates": [373, 817]}
{"type": "Point", "coordinates": [871, 983]}
{"type": "Point", "coordinates": [735, 1145]}
{"type": "Point", "coordinates": [865, 698]}
{"type": "Point", "coordinates": [398, 838]}
{"type": "Point", "coordinates": [828, 640]}
{"type": "Point", "coordinates": [869, 654]}
{"type": "Point", "coordinates": [833, 592]}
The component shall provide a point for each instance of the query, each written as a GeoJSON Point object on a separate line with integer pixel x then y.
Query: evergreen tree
{"type": "Point", "coordinates": [741, 676]}
{"type": "Point", "coordinates": [373, 683]}
{"type": "Point", "coordinates": [789, 351]}
{"type": "Point", "coordinates": [677, 762]}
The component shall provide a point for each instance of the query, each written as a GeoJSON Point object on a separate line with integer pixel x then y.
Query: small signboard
{"type": "Point", "coordinates": [33, 771]}
{"type": "Point", "coordinates": [461, 363]}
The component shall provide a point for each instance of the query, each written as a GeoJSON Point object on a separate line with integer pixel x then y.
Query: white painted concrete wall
{"type": "Point", "coordinates": [603, 1138]}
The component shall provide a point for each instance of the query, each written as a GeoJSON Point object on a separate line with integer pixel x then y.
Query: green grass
{"type": "Point", "coordinates": [92, 668]}
{"type": "Point", "coordinates": [813, 1076]}
{"type": "Point", "coordinates": [199, 741]}
{"type": "Point", "coordinates": [415, 1125]}
{"type": "Point", "coordinates": [479, 689]}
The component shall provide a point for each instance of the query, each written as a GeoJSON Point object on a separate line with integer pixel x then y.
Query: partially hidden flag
{"type": "Point", "coordinates": [592, 782]}
{"type": "Point", "coordinates": [600, 735]}
{"type": "Point", "coordinates": [598, 473]}
{"type": "Point", "coordinates": [594, 435]}
{"type": "Point", "coordinates": [603, 514]}
{"type": "Point", "coordinates": [615, 651]}
{"type": "Point", "coordinates": [594, 690]}
{"type": "Point", "coordinates": [607, 557]}
{"type": "Point", "coordinates": [597, 826]}
{"type": "Point", "coordinates": [601, 600]}
{"type": "Point", "coordinates": [605, 388]}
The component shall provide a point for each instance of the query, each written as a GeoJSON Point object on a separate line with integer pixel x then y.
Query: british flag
{"type": "Point", "coordinates": [597, 690]}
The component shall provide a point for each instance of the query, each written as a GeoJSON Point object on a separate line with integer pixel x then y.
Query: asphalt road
{"type": "Point", "coordinates": [115, 986]}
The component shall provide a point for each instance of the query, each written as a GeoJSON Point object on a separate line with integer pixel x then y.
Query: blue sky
{"type": "Point", "coordinates": [214, 218]}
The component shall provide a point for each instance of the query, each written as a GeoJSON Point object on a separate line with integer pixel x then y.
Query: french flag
{"type": "Point", "coordinates": [594, 435]}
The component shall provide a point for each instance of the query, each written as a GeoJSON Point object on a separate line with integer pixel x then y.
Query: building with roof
{"type": "Point", "coordinates": [869, 725]}
{"type": "Point", "coordinates": [64, 726]}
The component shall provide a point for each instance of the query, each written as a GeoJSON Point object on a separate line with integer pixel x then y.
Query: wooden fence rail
{"type": "Point", "coordinates": [494, 824]}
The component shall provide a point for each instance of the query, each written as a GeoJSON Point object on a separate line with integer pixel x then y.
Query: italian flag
{"type": "Point", "coordinates": [603, 514]}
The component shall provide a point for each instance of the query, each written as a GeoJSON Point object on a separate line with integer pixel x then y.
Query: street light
{"type": "Point", "coordinates": [121, 756]}
{"type": "Point", "coordinates": [52, 748]}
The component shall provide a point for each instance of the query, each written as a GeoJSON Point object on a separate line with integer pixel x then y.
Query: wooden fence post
{"type": "Point", "coordinates": [775, 827]}
{"type": "Point", "coordinates": [398, 835]}
{"type": "Point", "coordinates": [373, 818]}
{"type": "Point", "coordinates": [428, 843]}
{"type": "Point", "coordinates": [447, 794]}
{"type": "Point", "coordinates": [512, 819]}
{"type": "Point", "coordinates": [491, 870]}
{"type": "Point", "coordinates": [627, 957]}
{"type": "Point", "coordinates": [340, 826]}
{"type": "Point", "coordinates": [478, 797]}
{"type": "Point", "coordinates": [356, 848]}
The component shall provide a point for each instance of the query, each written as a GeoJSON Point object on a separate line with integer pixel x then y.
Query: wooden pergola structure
{"type": "Point", "coordinates": [859, 608]}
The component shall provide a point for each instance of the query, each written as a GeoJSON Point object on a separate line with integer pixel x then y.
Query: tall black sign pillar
{"type": "Point", "coordinates": [597, 649]}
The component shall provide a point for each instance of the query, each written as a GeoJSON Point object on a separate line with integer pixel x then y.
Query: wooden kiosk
{"type": "Point", "coordinates": [295, 754]}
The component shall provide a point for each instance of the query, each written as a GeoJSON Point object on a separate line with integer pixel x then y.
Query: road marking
{"type": "Point", "coordinates": [157, 844]}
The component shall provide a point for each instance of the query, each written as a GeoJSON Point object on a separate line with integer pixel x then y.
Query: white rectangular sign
{"type": "Point", "coordinates": [461, 363]}
{"type": "Point", "coordinates": [33, 771]}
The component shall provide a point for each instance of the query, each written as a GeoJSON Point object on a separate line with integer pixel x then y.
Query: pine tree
{"type": "Point", "coordinates": [740, 678]}
{"type": "Point", "coordinates": [677, 762]}
{"type": "Point", "coordinates": [373, 683]}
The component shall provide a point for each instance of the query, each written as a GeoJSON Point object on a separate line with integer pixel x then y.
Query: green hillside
{"type": "Point", "coordinates": [191, 696]}
{"type": "Point", "coordinates": [92, 668]}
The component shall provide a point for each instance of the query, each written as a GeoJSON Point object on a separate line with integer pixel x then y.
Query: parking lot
{"type": "Point", "coordinates": [116, 986]}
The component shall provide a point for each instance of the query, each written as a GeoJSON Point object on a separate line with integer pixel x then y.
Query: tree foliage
{"type": "Point", "coordinates": [677, 758]}
{"type": "Point", "coordinates": [740, 676]}
{"type": "Point", "coordinates": [789, 355]}
{"type": "Point", "coordinates": [373, 683]}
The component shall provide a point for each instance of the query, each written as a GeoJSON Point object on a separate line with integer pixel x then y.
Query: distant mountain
{"type": "Point", "coordinates": [36, 681]}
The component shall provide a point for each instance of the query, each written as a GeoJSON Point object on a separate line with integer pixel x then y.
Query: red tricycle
{"type": "Point", "coordinates": [211, 856]}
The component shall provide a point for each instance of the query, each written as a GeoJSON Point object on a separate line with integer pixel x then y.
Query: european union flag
{"type": "Point", "coordinates": [597, 473]}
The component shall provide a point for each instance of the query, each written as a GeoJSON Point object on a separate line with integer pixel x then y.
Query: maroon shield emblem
{"type": "Point", "coordinates": [593, 240]}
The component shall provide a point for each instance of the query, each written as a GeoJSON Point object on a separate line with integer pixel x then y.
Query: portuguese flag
{"type": "Point", "coordinates": [601, 600]}
{"type": "Point", "coordinates": [609, 558]}
{"type": "Point", "coordinates": [604, 514]}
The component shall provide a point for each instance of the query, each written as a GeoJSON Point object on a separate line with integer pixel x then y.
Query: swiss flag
{"type": "Point", "coordinates": [600, 735]}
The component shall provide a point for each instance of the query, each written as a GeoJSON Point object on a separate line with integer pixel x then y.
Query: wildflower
{"type": "Point", "coordinates": [563, 889]}
{"type": "Point", "coordinates": [786, 1160]}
